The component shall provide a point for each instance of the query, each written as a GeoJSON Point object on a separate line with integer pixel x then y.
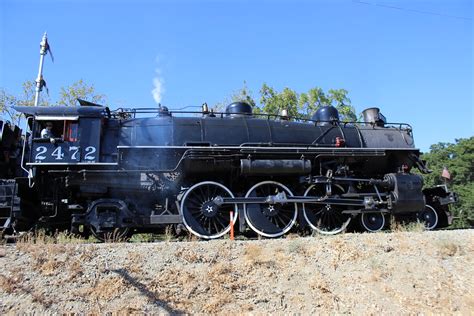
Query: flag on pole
{"type": "Point", "coordinates": [48, 49]}
{"type": "Point", "coordinates": [445, 174]}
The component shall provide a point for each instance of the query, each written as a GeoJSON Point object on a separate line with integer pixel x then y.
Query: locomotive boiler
{"type": "Point", "coordinates": [127, 171]}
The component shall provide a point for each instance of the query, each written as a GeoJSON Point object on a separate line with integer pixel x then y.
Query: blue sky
{"type": "Point", "coordinates": [413, 59]}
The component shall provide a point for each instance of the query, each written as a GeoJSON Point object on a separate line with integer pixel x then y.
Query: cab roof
{"type": "Point", "coordinates": [65, 111]}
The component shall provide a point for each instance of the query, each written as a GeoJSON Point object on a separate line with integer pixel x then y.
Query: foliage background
{"type": "Point", "coordinates": [458, 158]}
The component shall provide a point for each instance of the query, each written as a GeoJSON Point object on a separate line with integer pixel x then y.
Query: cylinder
{"type": "Point", "coordinates": [275, 167]}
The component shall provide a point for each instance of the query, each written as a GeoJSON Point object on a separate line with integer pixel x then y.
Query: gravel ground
{"type": "Point", "coordinates": [393, 273]}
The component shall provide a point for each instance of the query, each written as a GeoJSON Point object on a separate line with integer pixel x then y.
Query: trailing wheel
{"type": "Point", "coordinates": [270, 220]}
{"type": "Point", "coordinates": [373, 222]}
{"type": "Point", "coordinates": [201, 215]}
{"type": "Point", "coordinates": [429, 217]}
{"type": "Point", "coordinates": [326, 219]}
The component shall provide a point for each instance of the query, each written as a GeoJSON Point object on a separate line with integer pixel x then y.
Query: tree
{"type": "Point", "coordinates": [310, 102]}
{"type": "Point", "coordinates": [339, 99]}
{"type": "Point", "coordinates": [305, 104]}
{"type": "Point", "coordinates": [274, 102]}
{"type": "Point", "coordinates": [68, 97]}
{"type": "Point", "coordinates": [26, 98]}
{"type": "Point", "coordinates": [241, 95]}
{"type": "Point", "coordinates": [79, 90]}
{"type": "Point", "coordinates": [458, 158]}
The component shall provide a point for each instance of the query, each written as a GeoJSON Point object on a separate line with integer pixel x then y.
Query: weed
{"type": "Point", "coordinates": [142, 238]}
{"type": "Point", "coordinates": [253, 253]}
{"type": "Point", "coordinates": [40, 237]}
{"type": "Point", "coordinates": [448, 248]}
{"type": "Point", "coordinates": [416, 227]}
{"type": "Point", "coordinates": [9, 283]}
{"type": "Point", "coordinates": [168, 233]}
{"type": "Point", "coordinates": [41, 298]}
{"type": "Point", "coordinates": [75, 269]}
{"type": "Point", "coordinates": [295, 246]}
{"type": "Point", "coordinates": [105, 290]}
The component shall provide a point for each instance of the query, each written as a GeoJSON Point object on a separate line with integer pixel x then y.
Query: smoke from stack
{"type": "Point", "coordinates": [158, 86]}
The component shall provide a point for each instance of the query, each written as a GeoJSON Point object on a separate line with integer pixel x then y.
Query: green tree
{"type": "Point", "coordinates": [68, 96]}
{"type": "Point", "coordinates": [25, 98]}
{"type": "Point", "coordinates": [339, 99]}
{"type": "Point", "coordinates": [273, 102]}
{"type": "Point", "coordinates": [296, 104]}
{"type": "Point", "coordinates": [241, 95]}
{"type": "Point", "coordinates": [305, 104]}
{"type": "Point", "coordinates": [311, 101]}
{"type": "Point", "coordinates": [458, 158]}
{"type": "Point", "coordinates": [79, 90]}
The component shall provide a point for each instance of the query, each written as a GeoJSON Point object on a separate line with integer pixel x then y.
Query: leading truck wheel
{"type": "Point", "coordinates": [270, 220]}
{"type": "Point", "coordinates": [429, 217]}
{"type": "Point", "coordinates": [202, 216]}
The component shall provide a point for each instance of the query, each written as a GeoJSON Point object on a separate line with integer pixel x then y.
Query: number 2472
{"type": "Point", "coordinates": [58, 154]}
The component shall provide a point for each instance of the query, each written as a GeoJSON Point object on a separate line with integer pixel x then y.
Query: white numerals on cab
{"type": "Point", "coordinates": [59, 153]}
{"type": "Point", "coordinates": [90, 151]}
{"type": "Point", "coordinates": [41, 150]}
{"type": "Point", "coordinates": [73, 150]}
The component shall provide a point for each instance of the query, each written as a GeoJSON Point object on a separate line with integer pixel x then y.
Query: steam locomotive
{"type": "Point", "coordinates": [140, 170]}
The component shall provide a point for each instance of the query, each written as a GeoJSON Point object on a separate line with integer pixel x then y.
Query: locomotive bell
{"type": "Point", "coordinates": [238, 109]}
{"type": "Point", "coordinates": [326, 115]}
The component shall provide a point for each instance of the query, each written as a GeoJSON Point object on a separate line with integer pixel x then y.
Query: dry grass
{"type": "Point", "coordinates": [41, 299]}
{"type": "Point", "coordinates": [296, 246]}
{"type": "Point", "coordinates": [376, 273]}
{"type": "Point", "coordinates": [42, 238]}
{"type": "Point", "coordinates": [415, 227]}
{"type": "Point", "coordinates": [255, 254]}
{"type": "Point", "coordinates": [9, 284]}
{"type": "Point", "coordinates": [104, 290]}
{"type": "Point", "coordinates": [75, 269]}
{"type": "Point", "coordinates": [189, 256]}
{"type": "Point", "coordinates": [448, 248]}
{"type": "Point", "coordinates": [135, 262]}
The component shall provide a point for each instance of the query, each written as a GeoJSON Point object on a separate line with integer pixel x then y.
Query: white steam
{"type": "Point", "coordinates": [158, 86]}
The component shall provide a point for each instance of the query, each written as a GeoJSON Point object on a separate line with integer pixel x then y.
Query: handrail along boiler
{"type": "Point", "coordinates": [140, 170]}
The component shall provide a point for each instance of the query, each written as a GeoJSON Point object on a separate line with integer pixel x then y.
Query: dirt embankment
{"type": "Point", "coordinates": [393, 273]}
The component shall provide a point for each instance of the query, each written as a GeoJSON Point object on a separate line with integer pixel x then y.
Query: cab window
{"type": "Point", "coordinates": [67, 130]}
{"type": "Point", "coordinates": [71, 131]}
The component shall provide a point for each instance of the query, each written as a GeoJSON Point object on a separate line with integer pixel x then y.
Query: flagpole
{"type": "Point", "coordinates": [39, 79]}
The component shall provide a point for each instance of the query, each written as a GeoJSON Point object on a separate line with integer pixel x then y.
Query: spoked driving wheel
{"type": "Point", "coordinates": [201, 215]}
{"type": "Point", "coordinates": [326, 219]}
{"type": "Point", "coordinates": [428, 217]}
{"type": "Point", "coordinates": [373, 222]}
{"type": "Point", "coordinates": [270, 220]}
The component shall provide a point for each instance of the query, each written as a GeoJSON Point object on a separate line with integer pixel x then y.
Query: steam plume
{"type": "Point", "coordinates": [158, 86]}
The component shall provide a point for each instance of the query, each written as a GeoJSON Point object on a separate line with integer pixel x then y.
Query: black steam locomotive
{"type": "Point", "coordinates": [93, 170]}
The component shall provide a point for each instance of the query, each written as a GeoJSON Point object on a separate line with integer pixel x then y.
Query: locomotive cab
{"type": "Point", "coordinates": [61, 135]}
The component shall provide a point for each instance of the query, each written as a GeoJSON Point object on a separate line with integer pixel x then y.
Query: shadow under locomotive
{"type": "Point", "coordinates": [92, 170]}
